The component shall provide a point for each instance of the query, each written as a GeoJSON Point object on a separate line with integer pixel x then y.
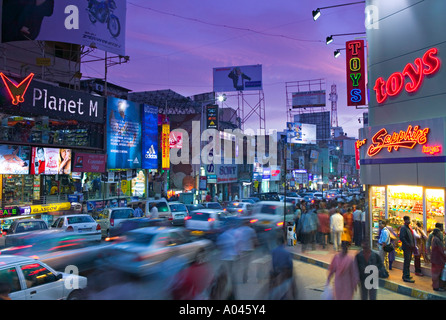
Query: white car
{"type": "Point", "coordinates": [31, 279]}
{"type": "Point", "coordinates": [179, 213]}
{"type": "Point", "coordinates": [269, 214]}
{"type": "Point", "coordinates": [205, 220]}
{"type": "Point", "coordinates": [111, 218]}
{"type": "Point", "coordinates": [79, 223]}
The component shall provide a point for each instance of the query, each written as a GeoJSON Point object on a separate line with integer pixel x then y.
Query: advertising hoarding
{"type": "Point", "coordinates": [50, 161]}
{"type": "Point", "coordinates": [14, 159]}
{"type": "Point", "coordinates": [355, 59]}
{"type": "Point", "coordinates": [165, 145]}
{"type": "Point", "coordinates": [308, 99]}
{"type": "Point", "coordinates": [123, 134]}
{"type": "Point", "coordinates": [212, 117]}
{"type": "Point", "coordinates": [149, 137]}
{"type": "Point", "coordinates": [89, 162]}
{"type": "Point", "coordinates": [82, 22]}
{"type": "Point", "coordinates": [302, 133]}
{"type": "Point", "coordinates": [238, 78]}
{"type": "Point", "coordinates": [176, 140]}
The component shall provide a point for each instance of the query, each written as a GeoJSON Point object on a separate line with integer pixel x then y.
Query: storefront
{"type": "Point", "coordinates": [401, 154]}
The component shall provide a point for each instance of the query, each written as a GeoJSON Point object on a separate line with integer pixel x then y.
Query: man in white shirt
{"type": "Point", "coordinates": [154, 211]}
{"type": "Point", "coordinates": [336, 228]}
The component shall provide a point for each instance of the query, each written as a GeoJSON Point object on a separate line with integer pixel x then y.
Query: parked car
{"type": "Point", "coordinates": [239, 208]}
{"type": "Point", "coordinates": [193, 207]}
{"type": "Point", "coordinates": [79, 223]}
{"type": "Point", "coordinates": [31, 279]}
{"type": "Point", "coordinates": [213, 205]}
{"type": "Point", "coordinates": [249, 200]}
{"type": "Point", "coordinates": [267, 196]}
{"type": "Point", "coordinates": [161, 204]}
{"type": "Point", "coordinates": [270, 214]}
{"type": "Point", "coordinates": [111, 218]}
{"type": "Point", "coordinates": [205, 222]}
{"type": "Point", "coordinates": [19, 227]}
{"type": "Point", "coordinates": [179, 213]}
{"type": "Point", "coordinates": [147, 251]}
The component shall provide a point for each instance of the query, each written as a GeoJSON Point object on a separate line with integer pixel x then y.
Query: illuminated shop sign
{"type": "Point", "coordinates": [431, 149]}
{"type": "Point", "coordinates": [429, 64]}
{"type": "Point", "coordinates": [355, 73]}
{"type": "Point", "coordinates": [16, 91]}
{"type": "Point", "coordinates": [9, 212]}
{"type": "Point", "coordinates": [403, 139]}
{"type": "Point", "coordinates": [50, 207]}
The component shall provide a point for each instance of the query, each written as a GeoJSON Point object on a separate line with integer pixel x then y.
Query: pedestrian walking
{"type": "Point", "coordinates": [383, 240]}
{"type": "Point", "coordinates": [365, 258]}
{"type": "Point", "coordinates": [246, 242]}
{"type": "Point", "coordinates": [138, 211]}
{"type": "Point", "coordinates": [323, 225]}
{"type": "Point", "coordinates": [408, 246]}
{"type": "Point", "coordinates": [393, 241]}
{"type": "Point", "coordinates": [419, 236]}
{"type": "Point", "coordinates": [344, 269]}
{"type": "Point", "coordinates": [421, 243]}
{"type": "Point", "coordinates": [431, 235]}
{"type": "Point", "coordinates": [438, 259]}
{"type": "Point", "coordinates": [336, 229]}
{"type": "Point", "coordinates": [357, 228]}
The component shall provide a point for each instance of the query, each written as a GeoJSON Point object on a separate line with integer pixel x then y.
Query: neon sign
{"type": "Point", "coordinates": [355, 73]}
{"type": "Point", "coordinates": [360, 143]}
{"type": "Point", "coordinates": [427, 65]}
{"type": "Point", "coordinates": [404, 139]}
{"type": "Point", "coordinates": [431, 149]}
{"type": "Point", "coordinates": [17, 91]}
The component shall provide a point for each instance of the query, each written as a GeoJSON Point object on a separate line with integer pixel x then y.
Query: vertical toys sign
{"type": "Point", "coordinates": [355, 73]}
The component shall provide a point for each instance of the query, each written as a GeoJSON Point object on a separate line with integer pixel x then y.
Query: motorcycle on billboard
{"type": "Point", "coordinates": [102, 11]}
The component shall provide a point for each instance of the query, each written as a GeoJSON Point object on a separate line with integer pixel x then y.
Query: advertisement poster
{"type": "Point", "coordinates": [83, 22]}
{"type": "Point", "coordinates": [150, 137]}
{"type": "Point", "coordinates": [14, 159]}
{"type": "Point", "coordinates": [212, 117]}
{"type": "Point", "coordinates": [165, 144]}
{"type": "Point", "coordinates": [50, 161]}
{"type": "Point", "coordinates": [238, 78]}
{"type": "Point", "coordinates": [89, 162]}
{"type": "Point", "coordinates": [176, 140]}
{"type": "Point", "coordinates": [308, 99]}
{"type": "Point", "coordinates": [302, 133]}
{"type": "Point", "coordinates": [123, 134]}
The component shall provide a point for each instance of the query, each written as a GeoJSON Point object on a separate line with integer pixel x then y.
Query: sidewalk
{"type": "Point", "coordinates": [421, 289]}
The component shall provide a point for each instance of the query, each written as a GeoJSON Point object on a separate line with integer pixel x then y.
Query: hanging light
{"type": "Point", "coordinates": [337, 53]}
{"type": "Point", "coordinates": [316, 14]}
{"type": "Point", "coordinates": [329, 39]}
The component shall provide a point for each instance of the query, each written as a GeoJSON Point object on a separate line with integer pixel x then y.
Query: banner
{"type": "Point", "coordinates": [212, 117]}
{"type": "Point", "coordinates": [238, 78]}
{"type": "Point", "coordinates": [14, 159]}
{"type": "Point", "coordinates": [123, 134]}
{"type": "Point", "coordinates": [355, 73]}
{"type": "Point", "coordinates": [165, 147]}
{"type": "Point", "coordinates": [93, 23]}
{"type": "Point", "coordinates": [50, 161]}
{"type": "Point", "coordinates": [54, 207]}
{"type": "Point", "coordinates": [301, 133]}
{"type": "Point", "coordinates": [89, 162]}
{"type": "Point", "coordinates": [149, 137]}
{"type": "Point", "coordinates": [176, 140]}
{"type": "Point", "coordinates": [308, 99]}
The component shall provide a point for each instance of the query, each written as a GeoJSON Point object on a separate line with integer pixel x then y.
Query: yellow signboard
{"type": "Point", "coordinates": [165, 147]}
{"type": "Point", "coordinates": [53, 207]}
{"type": "Point", "coordinates": [125, 186]}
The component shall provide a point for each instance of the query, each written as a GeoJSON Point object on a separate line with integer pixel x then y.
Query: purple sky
{"type": "Point", "coordinates": [175, 45]}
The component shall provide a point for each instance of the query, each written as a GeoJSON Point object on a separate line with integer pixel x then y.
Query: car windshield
{"type": "Point", "coordinates": [80, 219]}
{"type": "Point", "coordinates": [29, 226]}
{"type": "Point", "coordinates": [139, 237]}
{"type": "Point", "coordinates": [200, 216]}
{"type": "Point", "coordinates": [235, 205]}
{"type": "Point", "coordinates": [121, 214]}
{"type": "Point", "coordinates": [214, 205]}
{"type": "Point", "coordinates": [177, 207]}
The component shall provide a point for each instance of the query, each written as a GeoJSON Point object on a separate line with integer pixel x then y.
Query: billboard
{"type": "Point", "coordinates": [89, 162]}
{"type": "Point", "coordinates": [238, 78]}
{"type": "Point", "coordinates": [14, 159]}
{"type": "Point", "coordinates": [123, 134]}
{"type": "Point", "coordinates": [165, 146]}
{"type": "Point", "coordinates": [50, 161]}
{"type": "Point", "coordinates": [149, 137]}
{"type": "Point", "coordinates": [308, 99]}
{"type": "Point", "coordinates": [355, 58]}
{"type": "Point", "coordinates": [212, 117]}
{"type": "Point", "coordinates": [302, 133]}
{"type": "Point", "coordinates": [101, 23]}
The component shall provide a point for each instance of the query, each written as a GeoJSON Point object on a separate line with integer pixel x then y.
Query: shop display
{"type": "Point", "coordinates": [434, 208]}
{"type": "Point", "coordinates": [17, 189]}
{"type": "Point", "coordinates": [378, 210]}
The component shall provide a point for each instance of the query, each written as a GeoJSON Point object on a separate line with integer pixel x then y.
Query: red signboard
{"type": "Point", "coordinates": [355, 73]}
{"type": "Point", "coordinates": [89, 162]}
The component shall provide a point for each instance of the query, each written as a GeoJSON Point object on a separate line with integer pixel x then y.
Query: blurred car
{"type": "Point", "coordinates": [239, 208]}
{"type": "Point", "coordinates": [19, 227]}
{"type": "Point", "coordinates": [270, 214]}
{"type": "Point", "coordinates": [205, 222]}
{"type": "Point", "coordinates": [110, 219]}
{"type": "Point", "coordinates": [213, 205]}
{"type": "Point", "coordinates": [193, 207]}
{"type": "Point", "coordinates": [249, 200]}
{"type": "Point", "coordinates": [179, 213]}
{"type": "Point", "coordinates": [79, 223]}
{"type": "Point", "coordinates": [148, 250]}
{"type": "Point", "coordinates": [161, 204]}
{"type": "Point", "coordinates": [31, 279]}
{"type": "Point", "coordinates": [266, 196]}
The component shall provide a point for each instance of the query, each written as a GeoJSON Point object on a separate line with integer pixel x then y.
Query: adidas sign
{"type": "Point", "coordinates": [151, 154]}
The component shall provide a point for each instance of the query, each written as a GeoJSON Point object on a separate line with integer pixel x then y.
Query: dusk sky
{"type": "Point", "coordinates": [175, 45]}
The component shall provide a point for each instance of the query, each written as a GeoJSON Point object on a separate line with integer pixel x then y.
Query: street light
{"type": "Point", "coordinates": [317, 12]}
{"type": "Point", "coordinates": [337, 53]}
{"type": "Point", "coordinates": [330, 39]}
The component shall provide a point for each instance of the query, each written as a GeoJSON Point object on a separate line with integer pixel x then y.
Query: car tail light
{"type": "Point", "coordinates": [240, 210]}
{"type": "Point", "coordinates": [70, 228]}
{"type": "Point", "coordinates": [187, 218]}
{"type": "Point", "coordinates": [112, 222]}
{"type": "Point", "coordinates": [98, 227]}
{"type": "Point", "coordinates": [253, 220]}
{"type": "Point", "coordinates": [279, 224]}
{"type": "Point", "coordinates": [211, 219]}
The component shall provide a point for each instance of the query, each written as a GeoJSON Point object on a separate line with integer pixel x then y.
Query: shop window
{"type": "Point", "coordinates": [434, 208]}
{"type": "Point", "coordinates": [378, 206]}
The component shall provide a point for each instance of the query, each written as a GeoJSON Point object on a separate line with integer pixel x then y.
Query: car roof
{"type": "Point", "coordinates": [9, 259]}
{"type": "Point", "coordinates": [119, 208]}
{"type": "Point", "coordinates": [270, 202]}
{"type": "Point", "coordinates": [153, 230]}
{"type": "Point", "coordinates": [28, 220]}
{"type": "Point", "coordinates": [208, 210]}
{"type": "Point", "coordinates": [74, 215]}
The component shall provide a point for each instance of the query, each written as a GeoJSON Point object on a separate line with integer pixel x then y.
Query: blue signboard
{"type": "Point", "coordinates": [123, 134]}
{"type": "Point", "coordinates": [149, 137]}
